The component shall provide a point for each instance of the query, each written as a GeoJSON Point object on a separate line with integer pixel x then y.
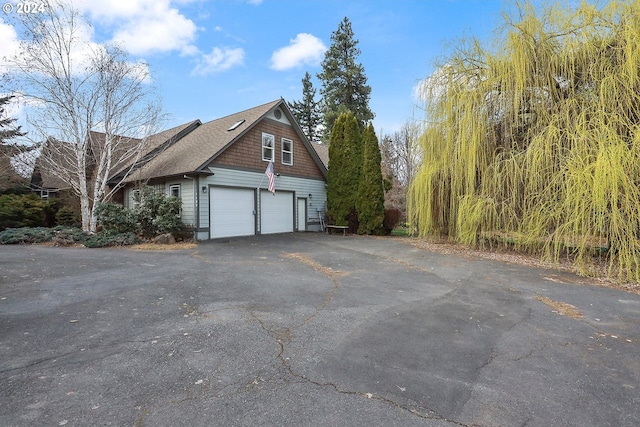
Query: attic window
{"type": "Point", "coordinates": [235, 126]}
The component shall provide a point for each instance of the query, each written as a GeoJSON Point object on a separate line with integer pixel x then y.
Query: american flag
{"type": "Point", "coordinates": [271, 176]}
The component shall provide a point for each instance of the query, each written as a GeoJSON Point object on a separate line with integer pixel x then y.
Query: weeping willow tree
{"type": "Point", "coordinates": [537, 141]}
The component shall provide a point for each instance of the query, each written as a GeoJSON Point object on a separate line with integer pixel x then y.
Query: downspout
{"type": "Point", "coordinates": [196, 203]}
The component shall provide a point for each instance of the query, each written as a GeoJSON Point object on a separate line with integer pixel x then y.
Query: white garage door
{"type": "Point", "coordinates": [232, 212]}
{"type": "Point", "coordinates": [276, 212]}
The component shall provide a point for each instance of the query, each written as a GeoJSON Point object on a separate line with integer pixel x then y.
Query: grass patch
{"type": "Point", "coordinates": [400, 231]}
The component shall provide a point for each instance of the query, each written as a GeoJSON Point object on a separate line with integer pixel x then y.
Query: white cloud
{"type": "Point", "coordinates": [140, 26]}
{"type": "Point", "coordinates": [304, 49]}
{"type": "Point", "coordinates": [219, 60]}
{"type": "Point", "coordinates": [152, 34]}
{"type": "Point", "coordinates": [14, 108]}
{"type": "Point", "coordinates": [141, 71]}
{"type": "Point", "coordinates": [145, 26]}
{"type": "Point", "coordinates": [8, 43]}
{"type": "Point", "coordinates": [435, 85]}
{"type": "Point", "coordinates": [82, 48]}
{"type": "Point", "coordinates": [114, 9]}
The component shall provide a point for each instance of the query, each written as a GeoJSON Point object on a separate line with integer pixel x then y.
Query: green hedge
{"type": "Point", "coordinates": [64, 236]}
{"type": "Point", "coordinates": [155, 214]}
{"type": "Point", "coordinates": [21, 210]}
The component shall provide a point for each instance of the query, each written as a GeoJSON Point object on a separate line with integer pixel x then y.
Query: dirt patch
{"type": "Point", "coordinates": [157, 247]}
{"type": "Point", "coordinates": [328, 271]}
{"type": "Point", "coordinates": [561, 308]}
{"type": "Point", "coordinates": [443, 246]}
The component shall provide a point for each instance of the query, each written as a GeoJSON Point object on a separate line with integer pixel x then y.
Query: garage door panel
{"type": "Point", "coordinates": [276, 212]}
{"type": "Point", "coordinates": [231, 212]}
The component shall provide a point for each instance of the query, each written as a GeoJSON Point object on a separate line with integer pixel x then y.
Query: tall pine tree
{"type": "Point", "coordinates": [307, 111]}
{"type": "Point", "coordinates": [370, 197]}
{"type": "Point", "coordinates": [344, 83]}
{"type": "Point", "coordinates": [344, 170]}
{"type": "Point", "coordinates": [8, 176]}
{"type": "Point", "coordinates": [7, 130]}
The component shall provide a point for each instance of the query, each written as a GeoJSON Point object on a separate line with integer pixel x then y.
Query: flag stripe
{"type": "Point", "coordinates": [272, 179]}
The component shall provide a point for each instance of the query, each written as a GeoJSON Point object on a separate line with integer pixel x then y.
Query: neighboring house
{"type": "Point", "coordinates": [218, 170]}
{"type": "Point", "coordinates": [47, 185]}
{"type": "Point", "coordinates": [56, 182]}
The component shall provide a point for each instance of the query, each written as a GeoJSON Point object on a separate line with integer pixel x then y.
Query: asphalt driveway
{"type": "Point", "coordinates": [308, 329]}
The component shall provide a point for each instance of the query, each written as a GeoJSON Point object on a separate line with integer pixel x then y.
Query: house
{"type": "Point", "coordinates": [56, 168]}
{"type": "Point", "coordinates": [218, 169]}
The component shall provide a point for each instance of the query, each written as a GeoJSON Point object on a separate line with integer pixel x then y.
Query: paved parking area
{"type": "Point", "coordinates": [308, 330]}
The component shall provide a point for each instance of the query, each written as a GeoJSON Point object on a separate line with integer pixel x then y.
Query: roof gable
{"type": "Point", "coordinates": [202, 144]}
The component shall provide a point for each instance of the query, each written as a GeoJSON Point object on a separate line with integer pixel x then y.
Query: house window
{"type": "Point", "coordinates": [287, 151]}
{"type": "Point", "coordinates": [135, 198]}
{"type": "Point", "coordinates": [268, 141]}
{"type": "Point", "coordinates": [174, 190]}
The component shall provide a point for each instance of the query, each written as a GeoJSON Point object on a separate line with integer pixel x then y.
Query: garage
{"type": "Point", "coordinates": [231, 212]}
{"type": "Point", "coordinates": [276, 212]}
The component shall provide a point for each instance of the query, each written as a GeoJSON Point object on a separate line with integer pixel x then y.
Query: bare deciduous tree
{"type": "Point", "coordinates": [84, 99]}
{"type": "Point", "coordinates": [400, 158]}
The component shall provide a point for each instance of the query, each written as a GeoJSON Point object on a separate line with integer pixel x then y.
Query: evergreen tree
{"type": "Point", "coordinates": [7, 131]}
{"type": "Point", "coordinates": [344, 169]}
{"type": "Point", "coordinates": [344, 83]}
{"type": "Point", "coordinates": [307, 111]}
{"type": "Point", "coordinates": [370, 197]}
{"type": "Point", "coordinates": [8, 176]}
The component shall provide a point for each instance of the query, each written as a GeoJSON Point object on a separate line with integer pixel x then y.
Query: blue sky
{"type": "Point", "coordinates": [211, 58]}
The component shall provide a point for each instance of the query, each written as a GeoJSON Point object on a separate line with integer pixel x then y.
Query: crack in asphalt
{"type": "Point", "coordinates": [282, 337]}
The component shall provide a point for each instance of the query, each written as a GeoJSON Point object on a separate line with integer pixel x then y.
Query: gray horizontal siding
{"type": "Point", "coordinates": [186, 196]}
{"type": "Point", "coordinates": [302, 187]}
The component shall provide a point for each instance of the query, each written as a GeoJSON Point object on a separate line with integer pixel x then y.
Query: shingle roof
{"type": "Point", "coordinates": [43, 179]}
{"type": "Point", "coordinates": [190, 148]}
{"type": "Point", "coordinates": [196, 149]}
{"type": "Point", "coordinates": [53, 169]}
{"type": "Point", "coordinates": [323, 153]}
{"type": "Point", "coordinates": [156, 144]}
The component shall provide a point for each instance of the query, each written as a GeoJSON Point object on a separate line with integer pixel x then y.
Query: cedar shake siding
{"type": "Point", "coordinates": [246, 153]}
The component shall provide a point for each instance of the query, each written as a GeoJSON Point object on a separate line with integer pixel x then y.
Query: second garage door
{"type": "Point", "coordinates": [276, 212]}
{"type": "Point", "coordinates": [232, 212]}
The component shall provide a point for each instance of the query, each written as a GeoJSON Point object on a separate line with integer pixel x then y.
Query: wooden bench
{"type": "Point", "coordinates": [344, 228]}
